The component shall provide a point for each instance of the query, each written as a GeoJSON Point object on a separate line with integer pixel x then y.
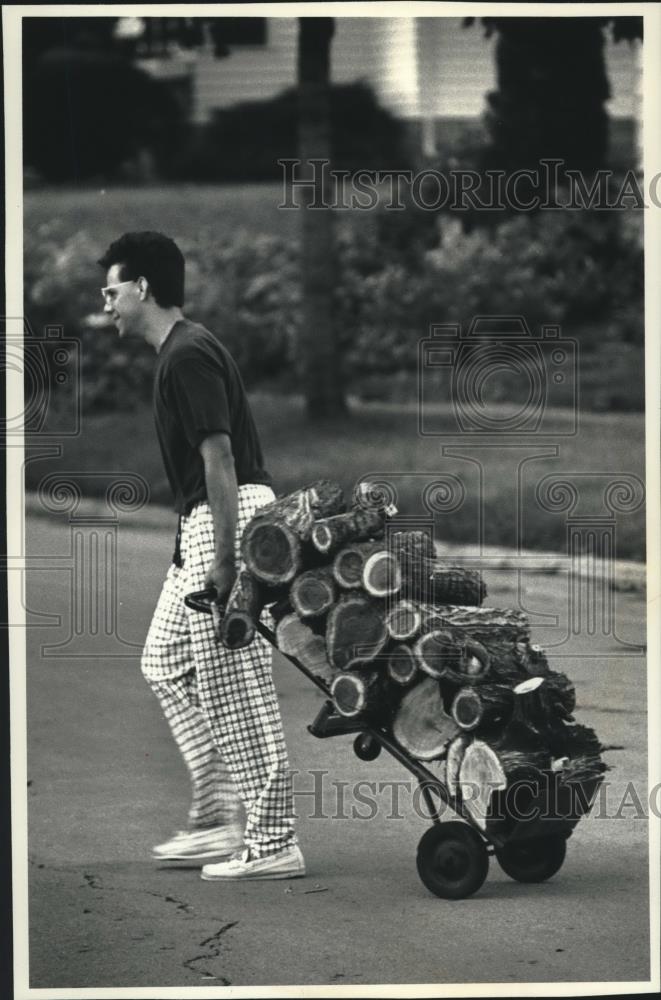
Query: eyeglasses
{"type": "Point", "coordinates": [109, 293]}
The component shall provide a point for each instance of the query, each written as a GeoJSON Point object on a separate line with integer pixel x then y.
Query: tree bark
{"type": "Point", "coordinates": [242, 611]}
{"type": "Point", "coordinates": [430, 582]}
{"type": "Point", "coordinates": [329, 535]}
{"type": "Point", "coordinates": [355, 631]}
{"type": "Point", "coordinates": [322, 375]}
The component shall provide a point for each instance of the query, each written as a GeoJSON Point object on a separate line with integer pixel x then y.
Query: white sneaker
{"type": "Point", "coordinates": [189, 845]}
{"type": "Point", "coordinates": [287, 863]}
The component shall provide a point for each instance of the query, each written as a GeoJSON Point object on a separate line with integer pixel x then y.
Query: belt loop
{"type": "Point", "coordinates": [176, 558]}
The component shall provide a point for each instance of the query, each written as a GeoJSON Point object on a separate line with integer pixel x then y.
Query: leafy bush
{"type": "Point", "coordinates": [567, 268]}
{"type": "Point", "coordinates": [580, 270]}
{"type": "Point", "coordinates": [244, 142]}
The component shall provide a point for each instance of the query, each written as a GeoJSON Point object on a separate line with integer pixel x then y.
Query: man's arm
{"type": "Point", "coordinates": [222, 492]}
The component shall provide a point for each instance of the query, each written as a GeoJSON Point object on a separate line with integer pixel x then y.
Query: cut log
{"type": "Point", "coordinates": [404, 620]}
{"type": "Point", "coordinates": [498, 631]}
{"type": "Point", "coordinates": [421, 725]}
{"type": "Point", "coordinates": [487, 705]}
{"type": "Point", "coordinates": [330, 534]}
{"type": "Point", "coordinates": [455, 755]}
{"type": "Point", "coordinates": [575, 741]}
{"type": "Point", "coordinates": [350, 561]}
{"type": "Point", "coordinates": [402, 667]}
{"type": "Point", "coordinates": [355, 694]}
{"type": "Point", "coordinates": [412, 544]}
{"type": "Point", "coordinates": [533, 707]}
{"type": "Point", "coordinates": [382, 576]}
{"type": "Point", "coordinates": [373, 496]}
{"type": "Point", "coordinates": [313, 593]}
{"type": "Point", "coordinates": [355, 631]}
{"type": "Point", "coordinates": [536, 661]}
{"type": "Point", "coordinates": [431, 582]}
{"type": "Point", "coordinates": [295, 638]}
{"type": "Point", "coordinates": [480, 775]}
{"type": "Point", "coordinates": [272, 541]}
{"type": "Point", "coordinates": [437, 652]}
{"type": "Point", "coordinates": [506, 622]}
{"type": "Point", "coordinates": [562, 694]}
{"type": "Point", "coordinates": [242, 611]}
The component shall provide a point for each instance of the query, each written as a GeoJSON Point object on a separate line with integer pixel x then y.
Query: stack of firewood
{"type": "Point", "coordinates": [403, 642]}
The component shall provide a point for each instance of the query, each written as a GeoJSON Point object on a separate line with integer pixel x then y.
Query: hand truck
{"type": "Point", "coordinates": [453, 855]}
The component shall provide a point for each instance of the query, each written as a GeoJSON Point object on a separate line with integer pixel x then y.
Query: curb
{"type": "Point", "coordinates": [620, 575]}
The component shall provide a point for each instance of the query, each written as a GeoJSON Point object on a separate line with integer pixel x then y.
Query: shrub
{"type": "Point", "coordinates": [244, 142]}
{"type": "Point", "coordinates": [578, 270]}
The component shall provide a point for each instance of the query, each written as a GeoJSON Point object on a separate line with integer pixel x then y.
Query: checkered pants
{"type": "Point", "coordinates": [221, 705]}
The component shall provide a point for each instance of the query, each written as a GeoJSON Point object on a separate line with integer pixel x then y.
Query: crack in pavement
{"type": "Point", "coordinates": [179, 903]}
{"type": "Point", "coordinates": [214, 952]}
{"type": "Point", "coordinates": [94, 882]}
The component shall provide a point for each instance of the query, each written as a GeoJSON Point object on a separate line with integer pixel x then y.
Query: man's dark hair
{"type": "Point", "coordinates": [154, 257]}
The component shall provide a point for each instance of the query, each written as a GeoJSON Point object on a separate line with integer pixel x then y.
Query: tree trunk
{"type": "Point", "coordinates": [272, 542]}
{"type": "Point", "coordinates": [322, 376]}
{"type": "Point", "coordinates": [552, 89]}
{"type": "Point", "coordinates": [421, 724]}
{"type": "Point", "coordinates": [355, 631]}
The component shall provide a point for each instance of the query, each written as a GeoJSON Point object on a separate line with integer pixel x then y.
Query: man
{"type": "Point", "coordinates": [221, 706]}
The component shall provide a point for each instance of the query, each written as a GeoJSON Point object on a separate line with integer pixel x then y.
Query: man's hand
{"type": "Point", "coordinates": [221, 575]}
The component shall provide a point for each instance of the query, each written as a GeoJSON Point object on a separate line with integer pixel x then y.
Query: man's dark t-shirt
{"type": "Point", "coordinates": [198, 391]}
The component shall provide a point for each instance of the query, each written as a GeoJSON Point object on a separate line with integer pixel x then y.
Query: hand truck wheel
{"type": "Point", "coordinates": [533, 860]}
{"type": "Point", "coordinates": [452, 860]}
{"type": "Point", "coordinates": [366, 747]}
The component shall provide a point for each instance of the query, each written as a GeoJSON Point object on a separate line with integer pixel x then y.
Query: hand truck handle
{"type": "Point", "coordinates": [201, 600]}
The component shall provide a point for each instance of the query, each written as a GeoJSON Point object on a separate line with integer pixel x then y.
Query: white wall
{"type": "Point", "coordinates": [417, 66]}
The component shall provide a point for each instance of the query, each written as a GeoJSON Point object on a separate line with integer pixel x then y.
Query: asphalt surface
{"type": "Point", "coordinates": [106, 782]}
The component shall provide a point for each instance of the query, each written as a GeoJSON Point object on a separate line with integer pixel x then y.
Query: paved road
{"type": "Point", "coordinates": [106, 783]}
